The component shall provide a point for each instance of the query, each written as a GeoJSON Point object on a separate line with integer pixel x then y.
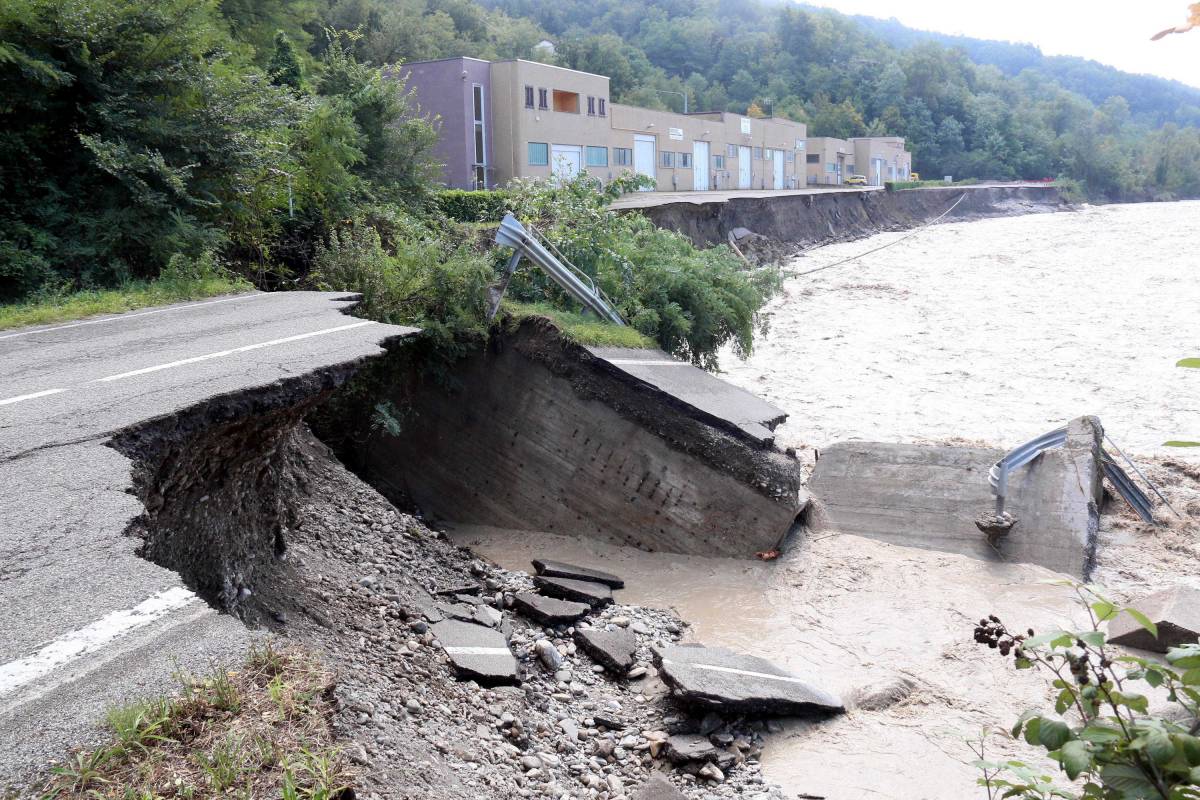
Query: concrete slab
{"type": "Point", "coordinates": [614, 650]}
{"type": "Point", "coordinates": [724, 402]}
{"type": "Point", "coordinates": [558, 569]}
{"type": "Point", "coordinates": [929, 495]}
{"type": "Point", "coordinates": [659, 788]}
{"type": "Point", "coordinates": [594, 594]}
{"type": "Point", "coordinates": [477, 653]}
{"type": "Point", "coordinates": [548, 610]}
{"type": "Point", "coordinates": [684, 747]}
{"type": "Point", "coordinates": [1176, 612]}
{"type": "Point", "coordinates": [720, 680]}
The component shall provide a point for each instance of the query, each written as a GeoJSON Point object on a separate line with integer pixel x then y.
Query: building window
{"type": "Point", "coordinates": [591, 106]}
{"type": "Point", "coordinates": [813, 158]}
{"type": "Point", "coordinates": [539, 154]}
{"type": "Point", "coordinates": [731, 151]}
{"type": "Point", "coordinates": [789, 156]}
{"type": "Point", "coordinates": [758, 154]}
{"type": "Point", "coordinates": [566, 102]}
{"type": "Point", "coordinates": [543, 99]}
{"type": "Point", "coordinates": [667, 158]}
{"type": "Point", "coordinates": [479, 165]}
{"type": "Point", "coordinates": [603, 107]}
{"type": "Point", "coordinates": [685, 160]}
{"type": "Point", "coordinates": [597, 156]}
{"type": "Point", "coordinates": [718, 162]}
{"type": "Point", "coordinates": [623, 156]}
{"type": "Point", "coordinates": [799, 144]}
{"type": "Point", "coordinates": [830, 167]}
{"type": "Point", "coordinates": [529, 97]}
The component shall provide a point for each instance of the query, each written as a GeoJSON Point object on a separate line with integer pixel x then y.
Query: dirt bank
{"type": "Point", "coordinates": [798, 221]}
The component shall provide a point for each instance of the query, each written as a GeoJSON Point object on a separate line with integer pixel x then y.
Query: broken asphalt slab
{"type": "Point", "coordinates": [559, 569]}
{"type": "Point", "coordinates": [1175, 612]}
{"type": "Point", "coordinates": [616, 650]}
{"type": "Point", "coordinates": [477, 653]}
{"type": "Point", "coordinates": [594, 594]}
{"type": "Point", "coordinates": [721, 680]}
{"type": "Point", "coordinates": [548, 610]}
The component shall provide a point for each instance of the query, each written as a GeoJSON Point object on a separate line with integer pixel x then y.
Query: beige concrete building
{"type": "Point", "coordinates": [502, 120]}
{"type": "Point", "coordinates": [880, 159]}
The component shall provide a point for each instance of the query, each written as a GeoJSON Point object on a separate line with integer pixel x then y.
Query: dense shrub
{"type": "Point", "coordinates": [692, 302]}
{"type": "Point", "coordinates": [487, 205]}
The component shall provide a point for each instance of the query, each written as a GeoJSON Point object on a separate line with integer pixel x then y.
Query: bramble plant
{"type": "Point", "coordinates": [1102, 733]}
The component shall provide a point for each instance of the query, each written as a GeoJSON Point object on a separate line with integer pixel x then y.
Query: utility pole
{"type": "Point", "coordinates": [681, 94]}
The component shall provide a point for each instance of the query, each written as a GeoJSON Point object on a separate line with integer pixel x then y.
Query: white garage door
{"type": "Point", "coordinates": [744, 167]}
{"type": "Point", "coordinates": [643, 156]}
{"type": "Point", "coordinates": [566, 160]}
{"type": "Point", "coordinates": [700, 166]}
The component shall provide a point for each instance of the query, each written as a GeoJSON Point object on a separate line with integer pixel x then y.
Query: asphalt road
{"type": "Point", "coordinates": [86, 623]}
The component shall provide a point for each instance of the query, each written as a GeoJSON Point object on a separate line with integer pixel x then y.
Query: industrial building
{"type": "Point", "coordinates": [500, 120]}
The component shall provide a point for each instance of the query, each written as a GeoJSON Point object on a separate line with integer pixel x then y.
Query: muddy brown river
{"type": "Point", "coordinates": [990, 331]}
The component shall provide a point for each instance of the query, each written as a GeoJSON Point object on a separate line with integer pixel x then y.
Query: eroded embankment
{"type": "Point", "coordinates": [538, 433]}
{"type": "Point", "coordinates": [820, 218]}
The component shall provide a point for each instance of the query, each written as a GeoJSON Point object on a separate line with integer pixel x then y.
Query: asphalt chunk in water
{"type": "Point", "coordinates": [1175, 613]}
{"type": "Point", "coordinates": [477, 653]}
{"type": "Point", "coordinates": [559, 569]}
{"type": "Point", "coordinates": [548, 610]}
{"type": "Point", "coordinates": [725, 681]}
{"type": "Point", "coordinates": [613, 650]}
{"type": "Point", "coordinates": [594, 594]}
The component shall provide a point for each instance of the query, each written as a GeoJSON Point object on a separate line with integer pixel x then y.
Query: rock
{"type": "Point", "coordinates": [594, 594]}
{"type": "Point", "coordinates": [615, 785]}
{"type": "Point", "coordinates": [659, 788]}
{"type": "Point", "coordinates": [548, 610]}
{"type": "Point", "coordinates": [613, 650]}
{"type": "Point", "coordinates": [684, 747]}
{"type": "Point", "coordinates": [878, 696]}
{"type": "Point", "coordinates": [486, 615]}
{"type": "Point", "coordinates": [477, 653]}
{"type": "Point", "coordinates": [548, 654]}
{"type": "Point", "coordinates": [530, 762]}
{"type": "Point", "coordinates": [721, 680]}
{"type": "Point", "coordinates": [712, 773]}
{"type": "Point", "coordinates": [557, 569]}
{"type": "Point", "coordinates": [1176, 612]}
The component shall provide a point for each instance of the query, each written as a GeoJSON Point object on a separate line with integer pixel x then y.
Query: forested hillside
{"type": "Point", "coordinates": [1152, 100]}
{"type": "Point", "coordinates": [183, 134]}
{"type": "Point", "coordinates": [836, 74]}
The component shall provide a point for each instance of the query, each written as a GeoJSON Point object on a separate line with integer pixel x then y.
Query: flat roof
{"type": "Point", "coordinates": [439, 60]}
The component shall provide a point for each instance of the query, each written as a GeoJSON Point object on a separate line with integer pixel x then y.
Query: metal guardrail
{"type": "Point", "coordinates": [1022, 454]}
{"type": "Point", "coordinates": [572, 280]}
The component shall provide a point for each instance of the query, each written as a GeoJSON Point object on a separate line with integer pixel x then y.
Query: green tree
{"type": "Point", "coordinates": [284, 66]}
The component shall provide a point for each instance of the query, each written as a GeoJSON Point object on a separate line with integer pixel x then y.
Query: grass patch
{"type": "Point", "coordinates": [580, 329]}
{"type": "Point", "coordinates": [260, 731]}
{"type": "Point", "coordinates": [895, 186]}
{"type": "Point", "coordinates": [65, 307]}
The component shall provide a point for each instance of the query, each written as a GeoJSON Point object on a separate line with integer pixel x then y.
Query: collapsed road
{"type": "Point", "coordinates": [87, 622]}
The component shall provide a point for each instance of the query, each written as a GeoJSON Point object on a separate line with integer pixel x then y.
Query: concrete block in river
{"type": "Point", "coordinates": [548, 610]}
{"type": "Point", "coordinates": [558, 569]}
{"type": "Point", "coordinates": [929, 495]}
{"type": "Point", "coordinates": [477, 653]}
{"type": "Point", "coordinates": [721, 680]}
{"type": "Point", "coordinates": [594, 594]}
{"type": "Point", "coordinates": [613, 650]}
{"type": "Point", "coordinates": [1176, 613]}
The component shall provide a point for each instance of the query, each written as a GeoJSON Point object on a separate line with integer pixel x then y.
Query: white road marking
{"type": "Point", "coordinates": [222, 353]}
{"type": "Point", "coordinates": [746, 672]}
{"type": "Point", "coordinates": [634, 362]}
{"type": "Point", "coordinates": [120, 317]}
{"type": "Point", "coordinates": [21, 397]}
{"type": "Point", "coordinates": [478, 651]}
{"type": "Point", "coordinates": [91, 638]}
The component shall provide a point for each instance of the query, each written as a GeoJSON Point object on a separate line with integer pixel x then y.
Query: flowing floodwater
{"type": "Point", "coordinates": [995, 331]}
{"type": "Point", "coordinates": [990, 331]}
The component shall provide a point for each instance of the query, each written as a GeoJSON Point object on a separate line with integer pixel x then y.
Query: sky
{"type": "Point", "coordinates": [1112, 33]}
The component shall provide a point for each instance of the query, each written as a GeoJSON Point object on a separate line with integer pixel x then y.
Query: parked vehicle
{"type": "Point", "coordinates": [856, 180]}
{"type": "Point", "coordinates": [914, 176]}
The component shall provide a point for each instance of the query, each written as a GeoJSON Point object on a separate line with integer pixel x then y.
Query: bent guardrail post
{"type": "Point", "coordinates": [569, 278]}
